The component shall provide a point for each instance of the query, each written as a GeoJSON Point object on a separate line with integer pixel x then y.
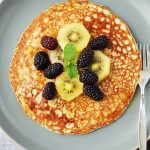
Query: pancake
{"type": "Point", "coordinates": [81, 115]}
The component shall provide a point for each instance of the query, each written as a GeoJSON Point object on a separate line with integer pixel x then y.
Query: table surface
{"type": "Point", "coordinates": [6, 144]}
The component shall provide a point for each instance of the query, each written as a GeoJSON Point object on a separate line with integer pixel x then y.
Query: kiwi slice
{"type": "Point", "coordinates": [74, 33]}
{"type": "Point", "coordinates": [56, 56]}
{"type": "Point", "coordinates": [101, 65]}
{"type": "Point", "coordinates": [68, 88]}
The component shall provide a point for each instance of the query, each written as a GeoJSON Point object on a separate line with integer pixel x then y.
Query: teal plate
{"type": "Point", "coordinates": [15, 16]}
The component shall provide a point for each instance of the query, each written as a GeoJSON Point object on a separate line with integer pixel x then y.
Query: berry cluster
{"type": "Point", "coordinates": [99, 43]}
{"type": "Point", "coordinates": [49, 43]}
{"type": "Point", "coordinates": [49, 91]}
{"type": "Point", "coordinates": [93, 91]}
{"type": "Point", "coordinates": [51, 71]}
{"type": "Point", "coordinates": [41, 60]}
{"type": "Point", "coordinates": [85, 58]}
{"type": "Point", "coordinates": [88, 77]}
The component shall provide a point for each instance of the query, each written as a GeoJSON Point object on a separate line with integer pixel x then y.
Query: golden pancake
{"type": "Point", "coordinates": [81, 115]}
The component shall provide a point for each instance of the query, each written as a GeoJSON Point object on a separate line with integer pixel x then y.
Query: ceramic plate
{"type": "Point", "coordinates": [15, 16]}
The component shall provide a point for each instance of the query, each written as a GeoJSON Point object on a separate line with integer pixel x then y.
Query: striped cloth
{"type": "Point", "coordinates": [6, 144]}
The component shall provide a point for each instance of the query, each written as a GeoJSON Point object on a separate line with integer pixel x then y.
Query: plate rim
{"type": "Point", "coordinates": [23, 148]}
{"type": "Point", "coordinates": [3, 131]}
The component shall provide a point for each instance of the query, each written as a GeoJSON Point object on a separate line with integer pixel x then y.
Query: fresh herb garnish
{"type": "Point", "coordinates": [70, 55]}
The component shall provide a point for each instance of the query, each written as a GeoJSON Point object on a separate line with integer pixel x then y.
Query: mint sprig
{"type": "Point", "coordinates": [69, 52]}
{"type": "Point", "coordinates": [70, 55]}
{"type": "Point", "coordinates": [71, 70]}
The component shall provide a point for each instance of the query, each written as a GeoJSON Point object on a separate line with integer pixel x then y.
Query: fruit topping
{"type": "Point", "coordinates": [56, 56]}
{"type": "Point", "coordinates": [49, 91]}
{"type": "Point", "coordinates": [53, 70]}
{"type": "Point", "coordinates": [68, 88]}
{"type": "Point", "coordinates": [41, 60]}
{"type": "Point", "coordinates": [49, 43]}
{"type": "Point", "coordinates": [100, 42]}
{"type": "Point", "coordinates": [71, 70]}
{"type": "Point", "coordinates": [70, 56]}
{"type": "Point", "coordinates": [93, 91]}
{"type": "Point", "coordinates": [85, 58]}
{"type": "Point", "coordinates": [74, 33]}
{"type": "Point", "coordinates": [100, 65]}
{"type": "Point", "coordinates": [88, 77]}
{"type": "Point", "coordinates": [76, 57]}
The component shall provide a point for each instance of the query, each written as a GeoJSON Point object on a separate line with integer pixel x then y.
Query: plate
{"type": "Point", "coordinates": [15, 16]}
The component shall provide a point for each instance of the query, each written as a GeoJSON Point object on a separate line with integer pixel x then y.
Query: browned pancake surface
{"type": "Point", "coordinates": [82, 114]}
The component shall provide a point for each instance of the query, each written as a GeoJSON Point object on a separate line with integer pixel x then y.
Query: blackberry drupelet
{"type": "Point", "coordinates": [85, 58]}
{"type": "Point", "coordinates": [41, 60]}
{"type": "Point", "coordinates": [49, 91]}
{"type": "Point", "coordinates": [53, 70]}
{"type": "Point", "coordinates": [100, 42]}
{"type": "Point", "coordinates": [88, 77]}
{"type": "Point", "coordinates": [49, 42]}
{"type": "Point", "coordinates": [93, 92]}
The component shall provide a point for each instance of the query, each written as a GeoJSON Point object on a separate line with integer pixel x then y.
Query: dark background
{"type": "Point", "coordinates": [148, 146]}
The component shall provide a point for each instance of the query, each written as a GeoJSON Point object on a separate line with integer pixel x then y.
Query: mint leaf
{"type": "Point", "coordinates": [69, 52]}
{"type": "Point", "coordinates": [70, 56]}
{"type": "Point", "coordinates": [71, 70]}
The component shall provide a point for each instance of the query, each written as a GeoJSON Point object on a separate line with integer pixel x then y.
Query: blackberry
{"type": "Point", "coordinates": [100, 42]}
{"type": "Point", "coordinates": [93, 92]}
{"type": "Point", "coordinates": [53, 70]}
{"type": "Point", "coordinates": [49, 42]}
{"type": "Point", "coordinates": [41, 60]}
{"type": "Point", "coordinates": [88, 77]}
{"type": "Point", "coordinates": [85, 58]}
{"type": "Point", "coordinates": [49, 91]}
